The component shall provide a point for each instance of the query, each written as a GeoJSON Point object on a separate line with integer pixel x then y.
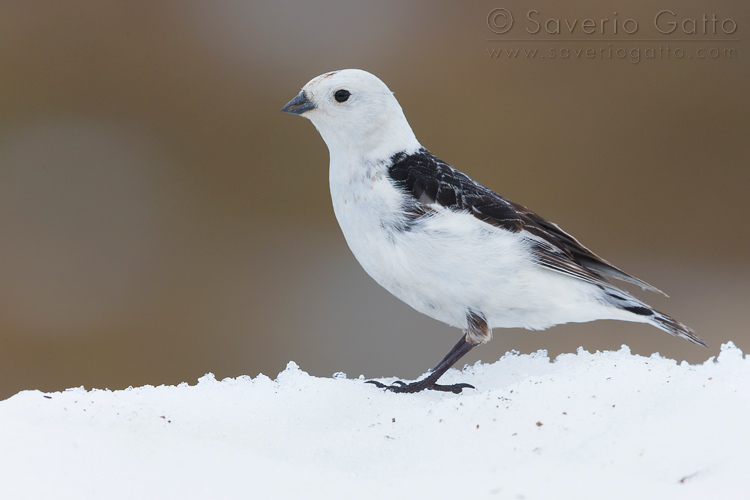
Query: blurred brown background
{"type": "Point", "coordinates": [160, 218]}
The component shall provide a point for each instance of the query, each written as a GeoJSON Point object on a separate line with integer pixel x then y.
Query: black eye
{"type": "Point", "coordinates": [341, 95]}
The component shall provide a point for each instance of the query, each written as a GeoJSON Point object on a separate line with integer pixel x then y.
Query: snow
{"type": "Point", "coordinates": [586, 425]}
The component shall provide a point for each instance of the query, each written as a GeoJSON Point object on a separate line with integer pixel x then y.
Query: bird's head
{"type": "Point", "coordinates": [355, 113]}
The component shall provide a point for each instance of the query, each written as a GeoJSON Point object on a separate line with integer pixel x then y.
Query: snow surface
{"type": "Point", "coordinates": [604, 425]}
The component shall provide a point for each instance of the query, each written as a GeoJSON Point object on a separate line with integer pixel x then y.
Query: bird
{"type": "Point", "coordinates": [443, 243]}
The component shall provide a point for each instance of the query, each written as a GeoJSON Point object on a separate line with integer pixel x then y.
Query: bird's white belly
{"type": "Point", "coordinates": [447, 264]}
{"type": "Point", "coordinates": [451, 263]}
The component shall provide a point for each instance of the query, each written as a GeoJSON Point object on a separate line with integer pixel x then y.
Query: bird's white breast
{"type": "Point", "coordinates": [447, 264]}
{"type": "Point", "coordinates": [450, 262]}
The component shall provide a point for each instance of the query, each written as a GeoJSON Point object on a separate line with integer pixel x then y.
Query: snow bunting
{"type": "Point", "coordinates": [443, 243]}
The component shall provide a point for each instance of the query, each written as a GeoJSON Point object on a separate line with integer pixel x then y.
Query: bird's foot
{"type": "Point", "coordinates": [420, 385]}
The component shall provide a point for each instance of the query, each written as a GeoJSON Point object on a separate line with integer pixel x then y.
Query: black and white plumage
{"type": "Point", "coordinates": [443, 243]}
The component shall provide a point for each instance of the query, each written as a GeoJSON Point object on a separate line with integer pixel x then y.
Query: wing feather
{"type": "Point", "coordinates": [431, 181]}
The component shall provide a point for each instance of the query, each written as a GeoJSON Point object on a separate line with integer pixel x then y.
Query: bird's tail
{"type": "Point", "coordinates": [647, 314]}
{"type": "Point", "coordinates": [674, 327]}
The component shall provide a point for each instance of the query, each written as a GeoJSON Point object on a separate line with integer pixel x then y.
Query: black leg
{"type": "Point", "coordinates": [459, 350]}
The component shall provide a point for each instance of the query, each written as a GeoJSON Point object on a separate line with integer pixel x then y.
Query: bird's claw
{"type": "Point", "coordinates": [400, 386]}
{"type": "Point", "coordinates": [377, 384]}
{"type": "Point", "coordinates": [454, 388]}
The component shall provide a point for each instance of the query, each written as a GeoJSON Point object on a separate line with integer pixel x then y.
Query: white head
{"type": "Point", "coordinates": [355, 113]}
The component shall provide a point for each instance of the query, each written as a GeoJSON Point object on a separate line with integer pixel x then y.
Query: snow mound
{"type": "Point", "coordinates": [588, 425]}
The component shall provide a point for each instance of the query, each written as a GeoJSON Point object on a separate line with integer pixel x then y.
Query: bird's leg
{"type": "Point", "coordinates": [476, 334]}
{"type": "Point", "coordinates": [459, 350]}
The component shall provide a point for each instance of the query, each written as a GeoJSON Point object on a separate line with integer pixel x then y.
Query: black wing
{"type": "Point", "coordinates": [431, 181]}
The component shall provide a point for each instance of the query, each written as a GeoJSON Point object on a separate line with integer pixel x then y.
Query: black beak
{"type": "Point", "coordinates": [298, 105]}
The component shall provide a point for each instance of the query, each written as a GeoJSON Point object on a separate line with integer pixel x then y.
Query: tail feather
{"type": "Point", "coordinates": [624, 301]}
{"type": "Point", "coordinates": [674, 327]}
